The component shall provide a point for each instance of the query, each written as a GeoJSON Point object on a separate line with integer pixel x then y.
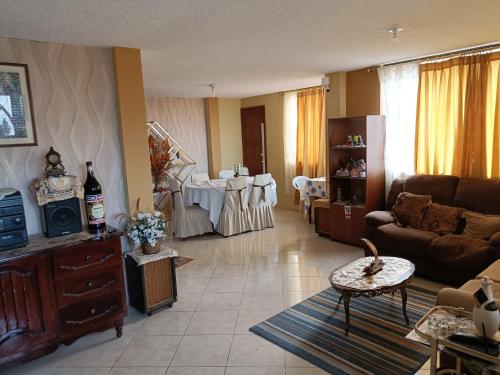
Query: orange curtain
{"type": "Point", "coordinates": [311, 133]}
{"type": "Point", "coordinates": [458, 119]}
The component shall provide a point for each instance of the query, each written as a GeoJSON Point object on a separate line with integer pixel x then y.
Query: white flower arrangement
{"type": "Point", "coordinates": [146, 228]}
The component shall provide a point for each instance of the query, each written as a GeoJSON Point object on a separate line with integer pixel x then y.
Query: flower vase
{"type": "Point", "coordinates": [486, 314]}
{"type": "Point", "coordinates": [148, 249]}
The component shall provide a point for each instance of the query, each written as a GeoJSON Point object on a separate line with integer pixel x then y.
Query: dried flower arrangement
{"type": "Point", "coordinates": [160, 161]}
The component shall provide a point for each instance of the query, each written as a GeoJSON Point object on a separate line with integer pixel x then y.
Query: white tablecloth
{"type": "Point", "coordinates": [210, 196]}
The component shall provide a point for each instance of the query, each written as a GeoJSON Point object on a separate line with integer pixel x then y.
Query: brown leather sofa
{"type": "Point", "coordinates": [450, 258]}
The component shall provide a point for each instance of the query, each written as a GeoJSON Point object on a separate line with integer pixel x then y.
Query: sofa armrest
{"type": "Point", "coordinates": [378, 218]}
{"type": "Point", "coordinates": [455, 298]}
{"type": "Point", "coordinates": [495, 240]}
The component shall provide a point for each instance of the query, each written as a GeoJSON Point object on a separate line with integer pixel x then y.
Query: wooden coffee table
{"type": "Point", "coordinates": [350, 281]}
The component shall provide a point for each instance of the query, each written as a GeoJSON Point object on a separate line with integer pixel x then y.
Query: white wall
{"type": "Point", "coordinates": [184, 120]}
{"type": "Point", "coordinates": [73, 92]}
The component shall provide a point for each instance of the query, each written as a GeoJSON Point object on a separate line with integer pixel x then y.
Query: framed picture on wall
{"type": "Point", "coordinates": [17, 123]}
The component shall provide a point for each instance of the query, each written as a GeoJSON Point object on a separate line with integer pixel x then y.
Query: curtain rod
{"type": "Point", "coordinates": [455, 53]}
{"type": "Point", "coordinates": [302, 88]}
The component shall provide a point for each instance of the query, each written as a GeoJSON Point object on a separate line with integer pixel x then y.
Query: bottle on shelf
{"type": "Point", "coordinates": [94, 202]}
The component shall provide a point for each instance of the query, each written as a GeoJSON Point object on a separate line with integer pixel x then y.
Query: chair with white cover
{"type": "Point", "coordinates": [260, 205]}
{"type": "Point", "coordinates": [244, 171]}
{"type": "Point", "coordinates": [226, 173]}
{"type": "Point", "coordinates": [235, 216]}
{"type": "Point", "coordinates": [188, 221]}
{"type": "Point", "coordinates": [199, 177]}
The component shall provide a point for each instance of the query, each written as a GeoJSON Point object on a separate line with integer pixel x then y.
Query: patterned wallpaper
{"type": "Point", "coordinates": [183, 119]}
{"type": "Point", "coordinates": [73, 93]}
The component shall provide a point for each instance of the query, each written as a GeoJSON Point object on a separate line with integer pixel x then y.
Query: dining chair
{"type": "Point", "coordinates": [244, 171]}
{"type": "Point", "coordinates": [188, 221]}
{"type": "Point", "coordinates": [235, 216]}
{"type": "Point", "coordinates": [199, 177]}
{"type": "Point", "coordinates": [260, 205]}
{"type": "Point", "coordinates": [299, 183]}
{"type": "Point", "coordinates": [226, 173]}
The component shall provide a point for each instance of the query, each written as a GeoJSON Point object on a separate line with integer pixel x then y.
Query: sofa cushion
{"type": "Point", "coordinates": [377, 218]}
{"type": "Point", "coordinates": [479, 195]}
{"type": "Point", "coordinates": [495, 239]}
{"type": "Point", "coordinates": [410, 209]}
{"type": "Point", "coordinates": [459, 252]}
{"type": "Point", "coordinates": [441, 188]}
{"type": "Point", "coordinates": [481, 226]}
{"type": "Point", "coordinates": [406, 242]}
{"type": "Point", "coordinates": [474, 285]}
{"type": "Point", "coordinates": [396, 188]}
{"type": "Point", "coordinates": [441, 219]}
{"type": "Point", "coordinates": [493, 272]}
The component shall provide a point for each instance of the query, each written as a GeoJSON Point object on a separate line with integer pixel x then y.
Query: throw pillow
{"type": "Point", "coordinates": [441, 219]}
{"type": "Point", "coordinates": [481, 226]}
{"type": "Point", "coordinates": [409, 209]}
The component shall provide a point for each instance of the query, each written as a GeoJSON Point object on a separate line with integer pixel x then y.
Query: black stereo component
{"type": "Point", "coordinates": [12, 221]}
{"type": "Point", "coordinates": [61, 217]}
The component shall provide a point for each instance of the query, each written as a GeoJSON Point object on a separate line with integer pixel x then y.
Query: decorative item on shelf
{"type": "Point", "coordinates": [485, 312]}
{"type": "Point", "coordinates": [94, 202]}
{"type": "Point", "coordinates": [339, 195]}
{"type": "Point", "coordinates": [360, 141]}
{"type": "Point", "coordinates": [347, 211]}
{"type": "Point", "coordinates": [377, 264]}
{"type": "Point", "coordinates": [147, 230]}
{"type": "Point", "coordinates": [54, 166]}
{"type": "Point", "coordinates": [349, 140]}
{"type": "Point", "coordinates": [362, 168]}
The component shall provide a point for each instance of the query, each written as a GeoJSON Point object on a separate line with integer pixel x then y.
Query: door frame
{"type": "Point", "coordinates": [265, 134]}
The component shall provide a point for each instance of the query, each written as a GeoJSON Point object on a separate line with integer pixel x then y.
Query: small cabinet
{"type": "Point", "coordinates": [26, 314]}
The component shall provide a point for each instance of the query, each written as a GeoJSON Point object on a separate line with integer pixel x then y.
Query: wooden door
{"type": "Point", "coordinates": [253, 134]}
{"type": "Point", "coordinates": [26, 307]}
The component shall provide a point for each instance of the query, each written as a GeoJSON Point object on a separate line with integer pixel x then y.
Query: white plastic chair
{"type": "Point", "coordinates": [188, 221]}
{"type": "Point", "coordinates": [226, 173]}
{"type": "Point", "coordinates": [299, 182]}
{"type": "Point", "coordinates": [235, 216]}
{"type": "Point", "coordinates": [199, 177]}
{"type": "Point", "coordinates": [260, 205]}
{"type": "Point", "coordinates": [244, 171]}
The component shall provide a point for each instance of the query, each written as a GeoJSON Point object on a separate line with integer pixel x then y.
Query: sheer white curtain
{"type": "Point", "coordinates": [398, 102]}
{"type": "Point", "coordinates": [290, 137]}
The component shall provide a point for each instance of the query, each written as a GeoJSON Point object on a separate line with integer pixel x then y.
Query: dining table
{"type": "Point", "coordinates": [209, 195]}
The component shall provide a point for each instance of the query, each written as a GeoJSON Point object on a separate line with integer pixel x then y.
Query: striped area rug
{"type": "Point", "coordinates": [314, 330]}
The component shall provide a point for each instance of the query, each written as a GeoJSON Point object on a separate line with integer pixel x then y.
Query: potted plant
{"type": "Point", "coordinates": [147, 229]}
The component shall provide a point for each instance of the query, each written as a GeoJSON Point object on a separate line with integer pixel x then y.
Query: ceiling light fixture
{"type": "Point", "coordinates": [394, 31]}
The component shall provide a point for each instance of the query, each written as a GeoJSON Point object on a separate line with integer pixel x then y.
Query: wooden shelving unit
{"type": "Point", "coordinates": [371, 188]}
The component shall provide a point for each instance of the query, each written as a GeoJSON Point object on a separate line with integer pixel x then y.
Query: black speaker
{"type": "Point", "coordinates": [61, 217]}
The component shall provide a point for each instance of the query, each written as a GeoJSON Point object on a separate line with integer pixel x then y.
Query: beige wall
{"type": "Point", "coordinates": [362, 93]}
{"type": "Point", "coordinates": [184, 120]}
{"type": "Point", "coordinates": [230, 132]}
{"type": "Point", "coordinates": [336, 97]}
{"type": "Point", "coordinates": [274, 141]}
{"type": "Point", "coordinates": [74, 105]}
{"type": "Point", "coordinates": [213, 136]}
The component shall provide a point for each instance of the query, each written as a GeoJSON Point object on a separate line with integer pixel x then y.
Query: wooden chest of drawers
{"type": "Point", "coordinates": [69, 288]}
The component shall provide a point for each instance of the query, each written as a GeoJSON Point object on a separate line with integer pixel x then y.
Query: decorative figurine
{"type": "Point", "coordinates": [54, 167]}
{"type": "Point", "coordinates": [362, 168]}
{"type": "Point", "coordinates": [339, 195]}
{"type": "Point", "coordinates": [360, 141]}
{"type": "Point", "coordinates": [377, 264]}
{"type": "Point", "coordinates": [355, 140]}
{"type": "Point", "coordinates": [349, 140]}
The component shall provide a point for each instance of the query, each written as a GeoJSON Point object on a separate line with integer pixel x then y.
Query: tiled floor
{"type": "Point", "coordinates": [232, 284]}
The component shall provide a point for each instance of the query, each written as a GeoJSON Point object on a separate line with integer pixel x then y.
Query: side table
{"type": "Point", "coordinates": [151, 279]}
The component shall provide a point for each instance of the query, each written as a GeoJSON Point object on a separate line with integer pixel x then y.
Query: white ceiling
{"type": "Point", "coordinates": [251, 47]}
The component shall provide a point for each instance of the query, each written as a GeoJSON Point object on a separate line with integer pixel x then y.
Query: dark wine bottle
{"type": "Point", "coordinates": [94, 202]}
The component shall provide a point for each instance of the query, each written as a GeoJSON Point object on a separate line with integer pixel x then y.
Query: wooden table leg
{"type": "Point", "coordinates": [434, 354]}
{"type": "Point", "coordinates": [404, 298]}
{"type": "Point", "coordinates": [347, 299]}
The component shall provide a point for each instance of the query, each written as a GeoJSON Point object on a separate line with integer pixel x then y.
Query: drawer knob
{"type": "Point", "coordinates": [90, 284]}
{"type": "Point", "coordinates": [87, 257]}
{"type": "Point", "coordinates": [92, 311]}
